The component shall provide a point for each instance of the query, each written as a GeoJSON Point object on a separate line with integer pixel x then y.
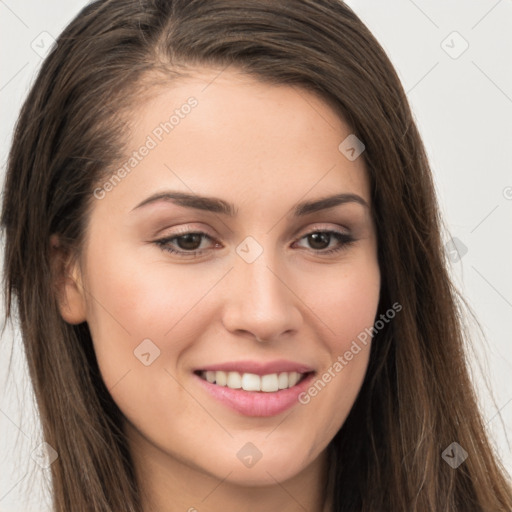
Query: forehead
{"type": "Point", "coordinates": [227, 134]}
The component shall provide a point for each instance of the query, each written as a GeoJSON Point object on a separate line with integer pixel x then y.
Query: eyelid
{"type": "Point", "coordinates": [184, 229]}
{"type": "Point", "coordinates": [325, 227]}
{"type": "Point", "coordinates": [299, 234]}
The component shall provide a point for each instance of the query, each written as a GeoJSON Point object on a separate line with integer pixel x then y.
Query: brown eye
{"type": "Point", "coordinates": [190, 241]}
{"type": "Point", "coordinates": [184, 244]}
{"type": "Point", "coordinates": [320, 241]}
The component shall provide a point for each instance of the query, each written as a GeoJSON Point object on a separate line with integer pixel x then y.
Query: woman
{"type": "Point", "coordinates": [200, 340]}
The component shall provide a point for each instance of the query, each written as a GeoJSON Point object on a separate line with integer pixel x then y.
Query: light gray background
{"type": "Point", "coordinates": [463, 107]}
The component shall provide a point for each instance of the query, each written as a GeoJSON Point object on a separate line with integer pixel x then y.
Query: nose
{"type": "Point", "coordinates": [261, 303]}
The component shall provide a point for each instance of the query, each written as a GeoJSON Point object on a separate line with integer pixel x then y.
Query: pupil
{"type": "Point", "coordinates": [322, 238]}
{"type": "Point", "coordinates": [193, 239]}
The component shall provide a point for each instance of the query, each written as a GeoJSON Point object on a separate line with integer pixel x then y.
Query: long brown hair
{"type": "Point", "coordinates": [416, 398]}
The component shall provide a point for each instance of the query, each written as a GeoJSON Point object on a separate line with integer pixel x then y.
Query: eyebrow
{"type": "Point", "coordinates": [216, 205]}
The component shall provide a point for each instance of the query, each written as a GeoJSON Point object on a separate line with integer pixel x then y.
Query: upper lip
{"type": "Point", "coordinates": [258, 367]}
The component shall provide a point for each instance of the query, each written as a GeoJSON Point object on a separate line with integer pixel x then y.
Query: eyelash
{"type": "Point", "coordinates": [345, 241]}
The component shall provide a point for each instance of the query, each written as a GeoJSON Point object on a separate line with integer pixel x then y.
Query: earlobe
{"type": "Point", "coordinates": [67, 283]}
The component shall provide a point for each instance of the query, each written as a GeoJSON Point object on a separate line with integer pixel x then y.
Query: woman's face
{"type": "Point", "coordinates": [262, 295]}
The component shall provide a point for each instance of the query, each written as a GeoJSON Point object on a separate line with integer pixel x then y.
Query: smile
{"type": "Point", "coordinates": [254, 395]}
{"type": "Point", "coordinates": [269, 383]}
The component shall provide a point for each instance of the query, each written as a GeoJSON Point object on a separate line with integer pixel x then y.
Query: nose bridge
{"type": "Point", "coordinates": [263, 288]}
{"type": "Point", "coordinates": [261, 302]}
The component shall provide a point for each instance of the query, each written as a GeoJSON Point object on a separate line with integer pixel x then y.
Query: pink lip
{"type": "Point", "coordinates": [257, 403]}
{"type": "Point", "coordinates": [259, 368]}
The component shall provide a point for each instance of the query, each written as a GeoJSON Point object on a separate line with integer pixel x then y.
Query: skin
{"type": "Point", "coordinates": [263, 148]}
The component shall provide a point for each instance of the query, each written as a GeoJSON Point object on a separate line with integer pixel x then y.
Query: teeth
{"type": "Point", "coordinates": [282, 380]}
{"type": "Point", "coordinates": [251, 382]}
{"type": "Point", "coordinates": [221, 378]}
{"type": "Point", "coordinates": [293, 378]}
{"type": "Point", "coordinates": [269, 383]}
{"type": "Point", "coordinates": [234, 380]}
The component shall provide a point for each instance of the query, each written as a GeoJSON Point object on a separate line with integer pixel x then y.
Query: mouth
{"type": "Point", "coordinates": [255, 395]}
{"type": "Point", "coordinates": [268, 383]}
{"type": "Point", "coordinates": [256, 388]}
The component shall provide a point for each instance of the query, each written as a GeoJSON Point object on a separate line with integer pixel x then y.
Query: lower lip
{"type": "Point", "coordinates": [257, 403]}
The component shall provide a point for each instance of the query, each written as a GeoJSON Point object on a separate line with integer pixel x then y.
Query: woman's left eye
{"type": "Point", "coordinates": [325, 237]}
{"type": "Point", "coordinates": [189, 243]}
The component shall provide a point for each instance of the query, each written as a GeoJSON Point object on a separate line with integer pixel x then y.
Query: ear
{"type": "Point", "coordinates": [67, 282]}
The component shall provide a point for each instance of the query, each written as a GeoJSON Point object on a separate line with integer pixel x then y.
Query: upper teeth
{"type": "Point", "coordinates": [251, 381]}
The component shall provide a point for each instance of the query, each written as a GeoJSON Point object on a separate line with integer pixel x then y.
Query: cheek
{"type": "Point", "coordinates": [130, 303]}
{"type": "Point", "coordinates": [140, 323]}
{"type": "Point", "coordinates": [344, 299]}
{"type": "Point", "coordinates": [345, 308]}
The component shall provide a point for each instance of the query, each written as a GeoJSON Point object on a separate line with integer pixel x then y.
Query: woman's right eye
{"type": "Point", "coordinates": [187, 243]}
